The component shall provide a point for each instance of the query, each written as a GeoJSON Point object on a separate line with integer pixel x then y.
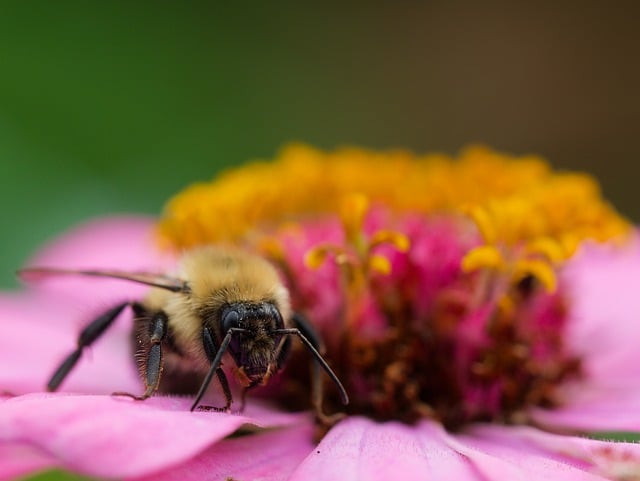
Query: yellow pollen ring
{"type": "Point", "coordinates": [515, 202]}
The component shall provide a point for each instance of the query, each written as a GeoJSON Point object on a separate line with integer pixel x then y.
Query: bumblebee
{"type": "Point", "coordinates": [223, 300]}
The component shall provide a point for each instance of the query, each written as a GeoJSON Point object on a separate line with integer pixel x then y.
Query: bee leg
{"type": "Point", "coordinates": [87, 336]}
{"type": "Point", "coordinates": [214, 355]}
{"type": "Point", "coordinates": [317, 387]}
{"type": "Point", "coordinates": [150, 360]}
{"type": "Point", "coordinates": [227, 395]}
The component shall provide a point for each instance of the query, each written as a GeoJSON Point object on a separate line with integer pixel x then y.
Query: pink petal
{"type": "Point", "coordinates": [605, 308]}
{"type": "Point", "coordinates": [37, 332]}
{"type": "Point", "coordinates": [504, 460]}
{"type": "Point", "coordinates": [271, 455]}
{"type": "Point", "coordinates": [124, 243]}
{"type": "Point", "coordinates": [115, 437]}
{"type": "Point", "coordinates": [605, 332]}
{"type": "Point", "coordinates": [594, 408]}
{"type": "Point", "coordinates": [612, 460]}
{"type": "Point", "coordinates": [361, 449]}
{"type": "Point", "coordinates": [20, 459]}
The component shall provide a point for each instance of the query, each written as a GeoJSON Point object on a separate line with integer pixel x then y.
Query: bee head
{"type": "Point", "coordinates": [254, 342]}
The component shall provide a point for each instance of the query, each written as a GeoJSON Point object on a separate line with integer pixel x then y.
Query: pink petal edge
{"type": "Point", "coordinates": [270, 455]}
{"type": "Point", "coordinates": [20, 459]}
{"type": "Point", "coordinates": [610, 460]}
{"type": "Point", "coordinates": [360, 449]}
{"type": "Point", "coordinates": [124, 243]}
{"type": "Point", "coordinates": [118, 437]}
{"type": "Point", "coordinates": [605, 332]}
{"type": "Point", "coordinates": [605, 308]}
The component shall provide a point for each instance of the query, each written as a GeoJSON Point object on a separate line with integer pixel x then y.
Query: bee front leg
{"type": "Point", "coordinates": [149, 355]}
{"type": "Point", "coordinates": [222, 378]}
{"type": "Point", "coordinates": [214, 357]}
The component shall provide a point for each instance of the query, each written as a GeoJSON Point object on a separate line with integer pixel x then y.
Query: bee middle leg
{"type": "Point", "coordinates": [149, 353]}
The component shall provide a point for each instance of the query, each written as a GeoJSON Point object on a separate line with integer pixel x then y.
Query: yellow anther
{"type": "Point", "coordinates": [483, 221]}
{"type": "Point", "coordinates": [315, 257]}
{"type": "Point", "coordinates": [550, 248]}
{"type": "Point", "coordinates": [540, 269]}
{"type": "Point", "coordinates": [397, 239]}
{"type": "Point", "coordinates": [353, 208]}
{"type": "Point", "coordinates": [483, 257]}
{"type": "Point", "coordinates": [379, 263]}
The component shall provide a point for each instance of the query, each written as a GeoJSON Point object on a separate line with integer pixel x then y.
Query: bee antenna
{"type": "Point", "coordinates": [215, 364]}
{"type": "Point", "coordinates": [344, 397]}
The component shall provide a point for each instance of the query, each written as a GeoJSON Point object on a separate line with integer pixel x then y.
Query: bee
{"type": "Point", "coordinates": [224, 300]}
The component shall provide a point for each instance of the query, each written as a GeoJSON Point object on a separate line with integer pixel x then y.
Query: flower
{"type": "Point", "coordinates": [480, 313]}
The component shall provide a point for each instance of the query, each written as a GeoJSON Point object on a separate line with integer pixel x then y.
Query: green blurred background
{"type": "Point", "coordinates": [110, 107]}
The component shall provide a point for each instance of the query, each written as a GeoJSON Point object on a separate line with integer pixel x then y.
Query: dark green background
{"type": "Point", "coordinates": [113, 106]}
{"type": "Point", "coordinates": [110, 107]}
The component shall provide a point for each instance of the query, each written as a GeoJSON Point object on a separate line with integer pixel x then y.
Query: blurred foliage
{"type": "Point", "coordinates": [57, 475]}
{"type": "Point", "coordinates": [626, 437]}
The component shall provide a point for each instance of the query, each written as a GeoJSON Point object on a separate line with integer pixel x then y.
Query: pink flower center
{"type": "Point", "coordinates": [419, 336]}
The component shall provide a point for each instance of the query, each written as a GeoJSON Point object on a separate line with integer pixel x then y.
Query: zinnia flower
{"type": "Point", "coordinates": [479, 311]}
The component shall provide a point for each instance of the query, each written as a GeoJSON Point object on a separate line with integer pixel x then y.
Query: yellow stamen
{"type": "Point", "coordinates": [315, 257]}
{"type": "Point", "coordinates": [379, 263]}
{"type": "Point", "coordinates": [353, 208]}
{"type": "Point", "coordinates": [551, 249]}
{"type": "Point", "coordinates": [483, 257]}
{"type": "Point", "coordinates": [541, 270]}
{"type": "Point", "coordinates": [483, 221]}
{"type": "Point", "coordinates": [397, 239]}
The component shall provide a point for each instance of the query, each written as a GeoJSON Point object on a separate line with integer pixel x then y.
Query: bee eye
{"type": "Point", "coordinates": [230, 319]}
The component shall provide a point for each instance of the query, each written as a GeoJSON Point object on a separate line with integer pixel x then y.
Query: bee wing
{"type": "Point", "coordinates": [35, 274]}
